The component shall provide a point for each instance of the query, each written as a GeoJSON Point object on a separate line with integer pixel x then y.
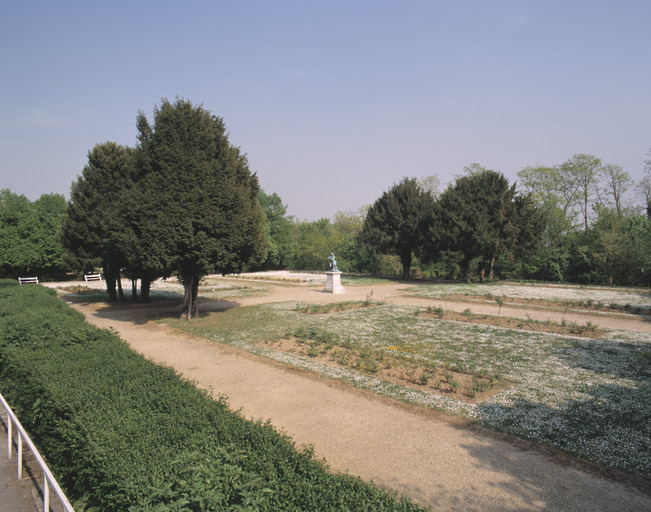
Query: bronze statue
{"type": "Point", "coordinates": [333, 262]}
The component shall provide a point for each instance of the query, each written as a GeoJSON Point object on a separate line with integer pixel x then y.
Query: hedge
{"type": "Point", "coordinates": [124, 434]}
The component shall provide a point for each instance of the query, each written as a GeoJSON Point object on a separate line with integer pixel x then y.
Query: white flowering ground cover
{"type": "Point", "coordinates": [303, 278]}
{"type": "Point", "coordinates": [562, 294]}
{"type": "Point", "coordinates": [168, 290]}
{"type": "Point", "coordinates": [590, 397]}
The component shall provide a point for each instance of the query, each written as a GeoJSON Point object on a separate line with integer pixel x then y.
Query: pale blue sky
{"type": "Point", "coordinates": [332, 101]}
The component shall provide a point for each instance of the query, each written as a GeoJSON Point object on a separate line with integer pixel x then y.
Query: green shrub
{"type": "Point", "coordinates": [122, 433]}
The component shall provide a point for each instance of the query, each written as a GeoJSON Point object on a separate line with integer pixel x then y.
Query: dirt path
{"type": "Point", "coordinates": [434, 459]}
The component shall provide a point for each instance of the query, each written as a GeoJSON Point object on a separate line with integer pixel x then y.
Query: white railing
{"type": "Point", "coordinates": [23, 438]}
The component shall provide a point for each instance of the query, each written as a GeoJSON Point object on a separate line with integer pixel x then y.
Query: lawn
{"type": "Point", "coordinates": [171, 290]}
{"type": "Point", "coordinates": [589, 397]}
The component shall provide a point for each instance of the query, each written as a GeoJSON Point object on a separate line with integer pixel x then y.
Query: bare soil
{"type": "Point", "coordinates": [436, 459]}
{"type": "Point", "coordinates": [444, 381]}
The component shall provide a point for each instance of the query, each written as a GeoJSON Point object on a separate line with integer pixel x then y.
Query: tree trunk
{"type": "Point", "coordinates": [145, 287]}
{"type": "Point", "coordinates": [188, 288]}
{"type": "Point", "coordinates": [134, 289]}
{"type": "Point", "coordinates": [405, 259]}
{"type": "Point", "coordinates": [466, 263]}
{"type": "Point", "coordinates": [195, 296]}
{"type": "Point", "coordinates": [109, 278]}
{"type": "Point", "coordinates": [491, 272]}
{"type": "Point", "coordinates": [585, 209]}
{"type": "Point", "coordinates": [120, 290]}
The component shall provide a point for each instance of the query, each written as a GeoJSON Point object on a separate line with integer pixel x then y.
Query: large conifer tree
{"type": "Point", "coordinates": [397, 221]}
{"type": "Point", "coordinates": [197, 209]}
{"type": "Point", "coordinates": [481, 216]}
{"type": "Point", "coordinates": [93, 227]}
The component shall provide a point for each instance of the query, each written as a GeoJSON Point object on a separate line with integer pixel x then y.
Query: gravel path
{"type": "Point", "coordinates": [434, 459]}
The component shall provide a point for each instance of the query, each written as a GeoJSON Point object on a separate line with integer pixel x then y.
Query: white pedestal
{"type": "Point", "coordinates": [333, 283]}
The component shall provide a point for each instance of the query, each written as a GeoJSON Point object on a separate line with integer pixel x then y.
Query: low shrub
{"type": "Point", "coordinates": [122, 433]}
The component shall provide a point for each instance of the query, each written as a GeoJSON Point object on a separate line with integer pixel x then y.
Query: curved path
{"type": "Point", "coordinates": [434, 459]}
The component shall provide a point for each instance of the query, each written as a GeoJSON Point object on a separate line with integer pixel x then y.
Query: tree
{"type": "Point", "coordinates": [554, 198]}
{"type": "Point", "coordinates": [199, 211]}
{"type": "Point", "coordinates": [481, 216]}
{"type": "Point", "coordinates": [314, 242]}
{"type": "Point", "coordinates": [610, 244]}
{"type": "Point", "coordinates": [581, 171]}
{"type": "Point", "coordinates": [474, 168]}
{"type": "Point", "coordinates": [430, 184]}
{"type": "Point", "coordinates": [521, 234]}
{"type": "Point", "coordinates": [551, 186]}
{"type": "Point", "coordinates": [352, 256]}
{"type": "Point", "coordinates": [617, 182]}
{"type": "Point", "coordinates": [644, 187]}
{"type": "Point", "coordinates": [29, 234]}
{"type": "Point", "coordinates": [396, 223]}
{"type": "Point", "coordinates": [94, 224]}
{"type": "Point", "coordinates": [639, 250]}
{"type": "Point", "coordinates": [51, 212]}
{"type": "Point", "coordinates": [279, 231]}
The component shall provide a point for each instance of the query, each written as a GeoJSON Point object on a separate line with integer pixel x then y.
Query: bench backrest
{"type": "Point", "coordinates": [22, 280]}
{"type": "Point", "coordinates": [92, 277]}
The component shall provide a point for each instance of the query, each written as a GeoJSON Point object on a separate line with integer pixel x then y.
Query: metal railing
{"type": "Point", "coordinates": [23, 438]}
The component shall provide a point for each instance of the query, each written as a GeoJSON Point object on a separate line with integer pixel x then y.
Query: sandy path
{"type": "Point", "coordinates": [416, 452]}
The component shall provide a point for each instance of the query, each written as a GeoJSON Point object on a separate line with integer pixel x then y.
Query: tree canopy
{"type": "Point", "coordinates": [397, 221]}
{"type": "Point", "coordinates": [481, 216]}
{"type": "Point", "coordinates": [278, 230]}
{"type": "Point", "coordinates": [29, 234]}
{"type": "Point", "coordinates": [94, 227]}
{"type": "Point", "coordinates": [197, 209]}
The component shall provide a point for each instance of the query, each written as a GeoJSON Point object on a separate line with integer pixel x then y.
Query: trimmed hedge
{"type": "Point", "coordinates": [123, 434]}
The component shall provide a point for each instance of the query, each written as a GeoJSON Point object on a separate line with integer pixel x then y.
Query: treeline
{"type": "Point", "coordinates": [574, 222]}
{"type": "Point", "coordinates": [122, 433]}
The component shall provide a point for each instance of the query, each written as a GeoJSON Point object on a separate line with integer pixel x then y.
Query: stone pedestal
{"type": "Point", "coordinates": [333, 283]}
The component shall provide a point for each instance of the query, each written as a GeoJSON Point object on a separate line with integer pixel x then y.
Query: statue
{"type": "Point", "coordinates": [333, 262]}
{"type": "Point", "coordinates": [333, 277]}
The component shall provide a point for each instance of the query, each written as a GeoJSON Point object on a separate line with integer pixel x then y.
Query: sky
{"type": "Point", "coordinates": [333, 102]}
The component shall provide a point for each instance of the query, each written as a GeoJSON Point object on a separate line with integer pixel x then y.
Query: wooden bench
{"type": "Point", "coordinates": [23, 280]}
{"type": "Point", "coordinates": [92, 277]}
